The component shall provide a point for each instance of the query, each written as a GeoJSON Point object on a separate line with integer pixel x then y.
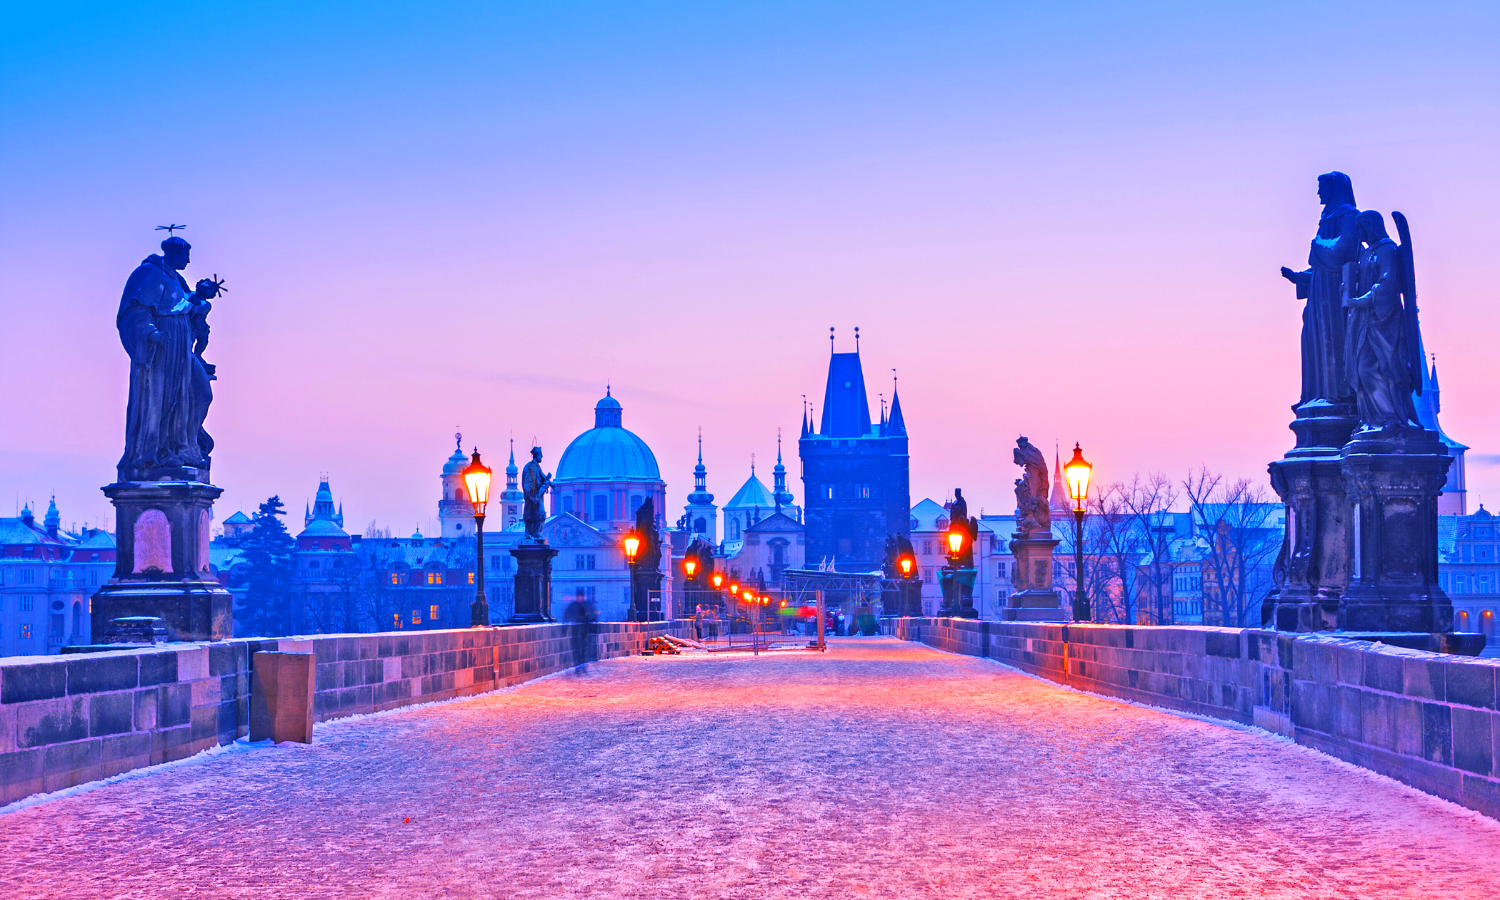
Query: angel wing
{"type": "Point", "coordinates": [1414, 350]}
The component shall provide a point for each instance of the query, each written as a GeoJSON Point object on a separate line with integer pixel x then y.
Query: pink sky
{"type": "Point", "coordinates": [1053, 224]}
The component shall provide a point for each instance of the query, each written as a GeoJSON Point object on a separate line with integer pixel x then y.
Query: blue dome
{"type": "Point", "coordinates": [607, 452]}
{"type": "Point", "coordinates": [456, 463]}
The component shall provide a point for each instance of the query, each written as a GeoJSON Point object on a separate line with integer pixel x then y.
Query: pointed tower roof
{"type": "Point", "coordinates": [700, 495]}
{"type": "Point", "coordinates": [1059, 501]}
{"type": "Point", "coordinates": [512, 493]}
{"type": "Point", "coordinates": [53, 518]}
{"type": "Point", "coordinates": [752, 495]}
{"type": "Point", "coordinates": [846, 408]}
{"type": "Point", "coordinates": [895, 425]}
{"type": "Point", "coordinates": [781, 495]}
{"type": "Point", "coordinates": [324, 520]}
{"type": "Point", "coordinates": [1429, 404]}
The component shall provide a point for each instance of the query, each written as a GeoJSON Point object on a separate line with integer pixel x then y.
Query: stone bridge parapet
{"type": "Point", "coordinates": [1429, 720]}
{"type": "Point", "coordinates": [67, 720]}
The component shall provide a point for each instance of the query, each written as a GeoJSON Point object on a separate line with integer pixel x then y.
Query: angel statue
{"type": "Point", "coordinates": [1382, 349]}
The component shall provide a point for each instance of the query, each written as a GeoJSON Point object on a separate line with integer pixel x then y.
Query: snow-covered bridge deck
{"type": "Point", "coordinates": [881, 769]}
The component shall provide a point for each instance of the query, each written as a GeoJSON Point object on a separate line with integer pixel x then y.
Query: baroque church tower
{"type": "Point", "coordinates": [702, 514]}
{"type": "Point", "coordinates": [455, 513]}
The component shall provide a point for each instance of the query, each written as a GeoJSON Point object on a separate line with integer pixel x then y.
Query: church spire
{"type": "Point", "coordinates": [895, 423]}
{"type": "Point", "coordinates": [782, 495]}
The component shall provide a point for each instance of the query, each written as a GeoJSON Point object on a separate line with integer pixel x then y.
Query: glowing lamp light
{"type": "Point", "coordinates": [1077, 470]}
{"type": "Point", "coordinates": [718, 581]}
{"type": "Point", "coordinates": [632, 545]}
{"type": "Point", "coordinates": [907, 563]}
{"type": "Point", "coordinates": [690, 566]}
{"type": "Point", "coordinates": [477, 481]}
{"type": "Point", "coordinates": [955, 541]}
{"type": "Point", "coordinates": [734, 588]}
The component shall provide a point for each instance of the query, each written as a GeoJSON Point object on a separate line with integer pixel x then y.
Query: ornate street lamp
{"type": "Point", "coordinates": [955, 538]}
{"type": "Point", "coordinates": [632, 542]}
{"type": "Point", "coordinates": [1077, 471]}
{"type": "Point", "coordinates": [477, 481]}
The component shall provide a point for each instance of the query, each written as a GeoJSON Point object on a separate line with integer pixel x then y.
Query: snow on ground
{"type": "Point", "coordinates": [881, 769]}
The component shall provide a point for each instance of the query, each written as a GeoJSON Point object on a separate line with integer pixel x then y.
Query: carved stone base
{"type": "Point", "coordinates": [196, 610]}
{"type": "Point", "coordinates": [1312, 567]}
{"type": "Point", "coordinates": [162, 569]}
{"type": "Point", "coordinates": [1034, 599]}
{"type": "Point", "coordinates": [533, 582]}
{"type": "Point", "coordinates": [958, 593]}
{"type": "Point", "coordinates": [1392, 480]}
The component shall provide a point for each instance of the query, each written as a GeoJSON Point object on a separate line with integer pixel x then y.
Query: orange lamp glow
{"type": "Point", "coordinates": [718, 581]}
{"type": "Point", "coordinates": [477, 481]}
{"type": "Point", "coordinates": [907, 564]}
{"type": "Point", "coordinates": [632, 545]}
{"type": "Point", "coordinates": [955, 541]}
{"type": "Point", "coordinates": [734, 588]}
{"type": "Point", "coordinates": [689, 565]}
{"type": "Point", "coordinates": [1078, 471]}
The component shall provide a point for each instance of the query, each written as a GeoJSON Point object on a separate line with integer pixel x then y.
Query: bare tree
{"type": "Point", "coordinates": [1238, 522]}
{"type": "Point", "coordinates": [1146, 502]}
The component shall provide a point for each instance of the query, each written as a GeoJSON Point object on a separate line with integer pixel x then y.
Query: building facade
{"type": "Point", "coordinates": [47, 576]}
{"type": "Point", "coordinates": [856, 479]}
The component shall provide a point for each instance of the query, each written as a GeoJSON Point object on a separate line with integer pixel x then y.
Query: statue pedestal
{"type": "Point", "coordinates": [1033, 598]}
{"type": "Point", "coordinates": [1392, 480]}
{"type": "Point", "coordinates": [533, 592]}
{"type": "Point", "coordinates": [162, 530]}
{"type": "Point", "coordinates": [1312, 571]}
{"type": "Point", "coordinates": [958, 593]}
{"type": "Point", "coordinates": [642, 586]}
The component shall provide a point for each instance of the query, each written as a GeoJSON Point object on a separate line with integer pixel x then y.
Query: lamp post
{"type": "Point", "coordinates": [632, 544]}
{"type": "Point", "coordinates": [1078, 471]}
{"type": "Point", "coordinates": [477, 480]}
{"type": "Point", "coordinates": [955, 540]}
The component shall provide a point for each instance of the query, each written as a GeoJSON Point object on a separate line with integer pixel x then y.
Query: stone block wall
{"type": "Point", "coordinates": [67, 720]}
{"type": "Point", "coordinates": [1429, 720]}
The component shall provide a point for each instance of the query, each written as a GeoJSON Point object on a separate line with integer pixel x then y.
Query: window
{"type": "Point", "coordinates": [601, 507]}
{"type": "Point", "coordinates": [827, 492]}
{"type": "Point", "coordinates": [94, 557]}
{"type": "Point", "coordinates": [94, 576]}
{"type": "Point", "coordinates": [396, 620]}
{"type": "Point", "coordinates": [28, 576]}
{"type": "Point", "coordinates": [432, 613]}
{"type": "Point", "coordinates": [567, 505]}
{"type": "Point", "coordinates": [416, 614]}
{"type": "Point", "coordinates": [700, 525]}
{"type": "Point", "coordinates": [26, 626]}
{"type": "Point", "coordinates": [927, 576]}
{"type": "Point", "coordinates": [28, 604]}
{"type": "Point", "coordinates": [942, 523]}
{"type": "Point", "coordinates": [927, 548]}
{"type": "Point", "coordinates": [471, 578]}
{"type": "Point", "coordinates": [496, 561]}
{"type": "Point", "coordinates": [864, 491]}
{"type": "Point", "coordinates": [434, 578]}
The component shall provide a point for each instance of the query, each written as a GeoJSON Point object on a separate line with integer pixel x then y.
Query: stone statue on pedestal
{"type": "Point", "coordinates": [162, 497]}
{"type": "Point", "coordinates": [1334, 247]}
{"type": "Point", "coordinates": [164, 328]}
{"type": "Point", "coordinates": [1033, 514]}
{"type": "Point", "coordinates": [1033, 598]}
{"type": "Point", "coordinates": [534, 486]}
{"type": "Point", "coordinates": [1381, 355]}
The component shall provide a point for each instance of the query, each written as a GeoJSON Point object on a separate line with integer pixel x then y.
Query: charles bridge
{"type": "Point", "coordinates": [673, 771]}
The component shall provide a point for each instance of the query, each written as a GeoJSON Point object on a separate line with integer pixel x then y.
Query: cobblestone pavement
{"type": "Point", "coordinates": [881, 769]}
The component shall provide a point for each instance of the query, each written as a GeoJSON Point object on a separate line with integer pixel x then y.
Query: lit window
{"type": "Point", "coordinates": [25, 630]}
{"type": "Point", "coordinates": [471, 578]}
{"type": "Point", "coordinates": [416, 616]}
{"type": "Point", "coordinates": [434, 577]}
{"type": "Point", "coordinates": [396, 620]}
{"type": "Point", "coordinates": [396, 579]}
{"type": "Point", "coordinates": [432, 613]}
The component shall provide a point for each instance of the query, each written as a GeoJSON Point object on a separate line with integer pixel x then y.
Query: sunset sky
{"type": "Point", "coordinates": [1059, 222]}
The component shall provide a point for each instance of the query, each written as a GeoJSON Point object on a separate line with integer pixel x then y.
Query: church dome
{"type": "Point", "coordinates": [607, 452]}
